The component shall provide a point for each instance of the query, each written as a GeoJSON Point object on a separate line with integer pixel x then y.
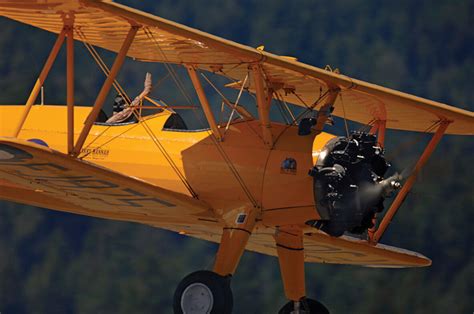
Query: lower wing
{"type": "Point", "coordinates": [320, 248]}
{"type": "Point", "coordinates": [37, 175]}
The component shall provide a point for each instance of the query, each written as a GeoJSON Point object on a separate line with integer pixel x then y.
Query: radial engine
{"type": "Point", "coordinates": [349, 184]}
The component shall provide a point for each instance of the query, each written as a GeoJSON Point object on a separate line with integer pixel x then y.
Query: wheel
{"type": "Point", "coordinates": [307, 306]}
{"type": "Point", "coordinates": [203, 292]}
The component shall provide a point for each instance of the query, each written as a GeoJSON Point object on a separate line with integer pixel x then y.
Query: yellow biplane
{"type": "Point", "coordinates": [290, 190]}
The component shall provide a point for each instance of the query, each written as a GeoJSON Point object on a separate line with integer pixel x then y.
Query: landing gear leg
{"type": "Point", "coordinates": [289, 242]}
{"type": "Point", "coordinates": [209, 291]}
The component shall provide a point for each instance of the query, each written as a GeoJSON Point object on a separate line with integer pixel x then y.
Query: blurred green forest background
{"type": "Point", "coordinates": [52, 262]}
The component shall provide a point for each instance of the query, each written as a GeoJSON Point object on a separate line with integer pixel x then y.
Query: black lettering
{"type": "Point", "coordinates": [42, 166]}
{"type": "Point", "coordinates": [136, 202]}
{"type": "Point", "coordinates": [133, 192]}
{"type": "Point", "coordinates": [104, 201]}
{"type": "Point", "coordinates": [52, 178]}
{"type": "Point", "coordinates": [11, 154]}
{"type": "Point", "coordinates": [88, 184]}
{"type": "Point", "coordinates": [128, 192]}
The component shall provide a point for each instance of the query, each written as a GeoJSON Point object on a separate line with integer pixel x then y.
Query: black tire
{"type": "Point", "coordinates": [218, 286]}
{"type": "Point", "coordinates": [309, 305]}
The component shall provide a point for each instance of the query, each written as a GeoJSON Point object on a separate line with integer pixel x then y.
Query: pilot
{"type": "Point", "coordinates": [123, 113]}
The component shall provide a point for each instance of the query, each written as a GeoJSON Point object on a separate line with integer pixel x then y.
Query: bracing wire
{"type": "Point", "coordinates": [302, 114]}
{"type": "Point", "coordinates": [309, 109]}
{"type": "Point", "coordinates": [180, 86]}
{"type": "Point", "coordinates": [416, 140]}
{"type": "Point", "coordinates": [282, 101]}
{"type": "Point", "coordinates": [236, 104]}
{"type": "Point", "coordinates": [344, 112]}
{"type": "Point", "coordinates": [168, 66]}
{"type": "Point", "coordinates": [222, 95]}
{"type": "Point", "coordinates": [302, 101]}
{"type": "Point", "coordinates": [168, 158]}
{"type": "Point", "coordinates": [95, 55]}
{"type": "Point", "coordinates": [249, 93]}
{"type": "Point", "coordinates": [282, 113]}
{"type": "Point", "coordinates": [107, 142]}
{"type": "Point", "coordinates": [121, 91]}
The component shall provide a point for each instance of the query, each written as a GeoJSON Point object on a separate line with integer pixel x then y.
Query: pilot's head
{"type": "Point", "coordinates": [119, 103]}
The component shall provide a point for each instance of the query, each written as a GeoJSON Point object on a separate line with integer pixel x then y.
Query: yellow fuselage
{"type": "Point", "coordinates": [238, 172]}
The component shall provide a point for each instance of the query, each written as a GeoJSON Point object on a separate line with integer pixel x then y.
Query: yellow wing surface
{"type": "Point", "coordinates": [105, 24]}
{"type": "Point", "coordinates": [320, 248]}
{"type": "Point", "coordinates": [40, 176]}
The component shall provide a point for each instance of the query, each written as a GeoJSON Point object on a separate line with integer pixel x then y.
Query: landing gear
{"type": "Point", "coordinates": [289, 242]}
{"type": "Point", "coordinates": [203, 292]}
{"type": "Point", "coordinates": [304, 306]}
{"type": "Point", "coordinates": [208, 292]}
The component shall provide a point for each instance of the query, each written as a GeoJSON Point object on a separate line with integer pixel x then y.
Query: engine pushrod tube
{"type": "Point", "coordinates": [410, 181]}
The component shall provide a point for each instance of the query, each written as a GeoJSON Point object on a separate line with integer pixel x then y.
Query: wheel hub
{"type": "Point", "coordinates": [197, 298]}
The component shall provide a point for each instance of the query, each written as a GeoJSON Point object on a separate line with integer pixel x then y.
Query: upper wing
{"type": "Point", "coordinates": [37, 175]}
{"type": "Point", "coordinates": [105, 24]}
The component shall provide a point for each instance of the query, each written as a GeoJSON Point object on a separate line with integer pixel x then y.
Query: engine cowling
{"type": "Point", "coordinates": [349, 184]}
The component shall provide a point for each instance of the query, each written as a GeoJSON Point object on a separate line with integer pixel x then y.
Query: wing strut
{"type": "Point", "coordinates": [379, 129]}
{"type": "Point", "coordinates": [70, 87]}
{"type": "Point", "coordinates": [325, 112]}
{"type": "Point", "coordinates": [410, 181]}
{"type": "Point", "coordinates": [40, 81]}
{"type": "Point", "coordinates": [264, 100]}
{"type": "Point", "coordinates": [105, 90]}
{"type": "Point", "coordinates": [204, 102]}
